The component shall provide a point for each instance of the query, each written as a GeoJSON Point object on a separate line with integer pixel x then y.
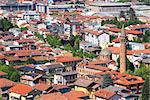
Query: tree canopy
{"type": "Point", "coordinates": [13, 74]}
{"type": "Point", "coordinates": [6, 24]}
{"type": "Point", "coordinates": [107, 81]}
{"type": "Point", "coordinates": [54, 41]}
{"type": "Point", "coordinates": [146, 36]}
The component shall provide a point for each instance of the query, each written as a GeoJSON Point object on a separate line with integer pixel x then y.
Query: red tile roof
{"type": "Point", "coordinates": [134, 27]}
{"type": "Point", "coordinates": [97, 67]}
{"type": "Point", "coordinates": [94, 32]}
{"type": "Point", "coordinates": [53, 96]}
{"type": "Point", "coordinates": [117, 40]}
{"type": "Point", "coordinates": [67, 59]}
{"type": "Point", "coordinates": [105, 94]}
{"type": "Point", "coordinates": [117, 30]}
{"type": "Point", "coordinates": [129, 80]}
{"type": "Point", "coordinates": [75, 95]}
{"type": "Point", "coordinates": [57, 87]}
{"type": "Point", "coordinates": [26, 40]}
{"type": "Point", "coordinates": [21, 89]}
{"type": "Point", "coordinates": [6, 83]}
{"type": "Point", "coordinates": [2, 73]}
{"type": "Point", "coordinates": [42, 86]}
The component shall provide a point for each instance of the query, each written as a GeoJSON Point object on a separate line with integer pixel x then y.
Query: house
{"type": "Point", "coordinates": [69, 62]}
{"type": "Point", "coordinates": [103, 94]}
{"type": "Point", "coordinates": [5, 85]}
{"type": "Point", "coordinates": [90, 69]}
{"type": "Point", "coordinates": [44, 88]}
{"type": "Point", "coordinates": [32, 79]}
{"type": "Point", "coordinates": [31, 15]}
{"type": "Point", "coordinates": [98, 38]}
{"type": "Point", "coordinates": [141, 27]}
{"type": "Point", "coordinates": [86, 85]}
{"type": "Point", "coordinates": [61, 88]}
{"type": "Point", "coordinates": [125, 93]}
{"type": "Point", "coordinates": [76, 95]}
{"type": "Point", "coordinates": [65, 78]}
{"type": "Point", "coordinates": [131, 34]}
{"type": "Point", "coordinates": [52, 96]}
{"type": "Point", "coordinates": [23, 92]}
{"type": "Point", "coordinates": [24, 69]}
{"type": "Point", "coordinates": [146, 62]}
{"type": "Point", "coordinates": [53, 68]}
{"type": "Point", "coordinates": [85, 45]}
{"type": "Point", "coordinates": [131, 45]}
{"type": "Point", "coordinates": [133, 83]}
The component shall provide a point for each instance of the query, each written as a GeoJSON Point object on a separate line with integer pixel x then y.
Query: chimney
{"type": "Point", "coordinates": [123, 51]}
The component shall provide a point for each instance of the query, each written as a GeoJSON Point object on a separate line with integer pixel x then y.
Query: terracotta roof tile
{"type": "Point", "coordinates": [53, 96]}
{"type": "Point", "coordinates": [105, 94]}
{"type": "Point", "coordinates": [94, 32]}
{"type": "Point", "coordinates": [133, 27]}
{"type": "Point", "coordinates": [6, 83]}
{"type": "Point", "coordinates": [42, 86]}
{"type": "Point", "coordinates": [97, 67]}
{"type": "Point", "coordinates": [67, 59]}
{"type": "Point", "coordinates": [2, 73]}
{"type": "Point", "coordinates": [117, 30]}
{"type": "Point", "coordinates": [75, 95]}
{"type": "Point", "coordinates": [21, 89]}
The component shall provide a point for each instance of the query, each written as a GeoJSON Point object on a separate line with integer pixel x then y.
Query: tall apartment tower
{"type": "Point", "coordinates": [123, 51]}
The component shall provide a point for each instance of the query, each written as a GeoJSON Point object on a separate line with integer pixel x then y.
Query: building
{"type": "Point", "coordinates": [90, 69]}
{"type": "Point", "coordinates": [97, 38]}
{"type": "Point", "coordinates": [133, 83]}
{"type": "Point", "coordinates": [23, 92]}
{"type": "Point", "coordinates": [125, 93]}
{"type": "Point", "coordinates": [5, 85]}
{"type": "Point", "coordinates": [109, 6]}
{"type": "Point", "coordinates": [106, 95]}
{"type": "Point", "coordinates": [69, 62]}
{"type": "Point", "coordinates": [32, 79]}
{"type": "Point", "coordinates": [65, 78]}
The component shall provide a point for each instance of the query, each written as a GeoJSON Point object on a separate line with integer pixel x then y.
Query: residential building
{"type": "Point", "coordinates": [69, 62]}
{"type": "Point", "coordinates": [23, 92]}
{"type": "Point", "coordinates": [32, 79]}
{"type": "Point", "coordinates": [65, 78]}
{"type": "Point", "coordinates": [5, 85]}
{"type": "Point", "coordinates": [133, 83]}
{"type": "Point", "coordinates": [106, 95]}
{"type": "Point", "coordinates": [108, 6]}
{"type": "Point", "coordinates": [98, 38]}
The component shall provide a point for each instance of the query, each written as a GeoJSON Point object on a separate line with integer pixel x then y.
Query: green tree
{"type": "Point", "coordinates": [30, 61]}
{"type": "Point", "coordinates": [54, 41]}
{"type": "Point", "coordinates": [6, 24]}
{"type": "Point", "coordinates": [107, 81]}
{"type": "Point", "coordinates": [68, 47]}
{"type": "Point", "coordinates": [12, 73]}
{"type": "Point", "coordinates": [146, 36]}
{"type": "Point", "coordinates": [143, 72]}
{"type": "Point", "coordinates": [15, 76]}
{"type": "Point", "coordinates": [146, 90]}
{"type": "Point", "coordinates": [76, 43]}
{"type": "Point", "coordinates": [23, 29]}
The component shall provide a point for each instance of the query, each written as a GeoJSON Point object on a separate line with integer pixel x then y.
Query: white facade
{"type": "Point", "coordinates": [133, 46]}
{"type": "Point", "coordinates": [98, 40]}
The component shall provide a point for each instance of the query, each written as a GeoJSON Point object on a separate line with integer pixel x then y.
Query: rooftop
{"type": "Point", "coordinates": [21, 89]}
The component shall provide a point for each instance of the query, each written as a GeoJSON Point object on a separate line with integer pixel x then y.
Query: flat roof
{"type": "Point", "coordinates": [109, 4]}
